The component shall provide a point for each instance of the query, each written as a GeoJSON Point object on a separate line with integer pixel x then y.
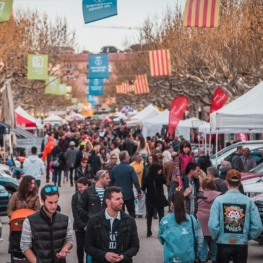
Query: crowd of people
{"type": "Point", "coordinates": [114, 168]}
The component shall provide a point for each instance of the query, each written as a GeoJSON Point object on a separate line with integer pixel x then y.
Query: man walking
{"type": "Point", "coordinates": [70, 157]}
{"type": "Point", "coordinates": [234, 220]}
{"type": "Point", "coordinates": [248, 161]}
{"type": "Point", "coordinates": [138, 167]}
{"type": "Point", "coordinates": [113, 162]}
{"type": "Point", "coordinates": [34, 166]}
{"type": "Point", "coordinates": [236, 162]}
{"type": "Point", "coordinates": [111, 235]}
{"type": "Point", "coordinates": [92, 201]}
{"type": "Point", "coordinates": [47, 234]}
{"type": "Point", "coordinates": [124, 176]}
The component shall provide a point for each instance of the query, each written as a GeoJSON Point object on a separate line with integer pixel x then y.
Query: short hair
{"type": "Point", "coordinates": [44, 195]}
{"type": "Point", "coordinates": [109, 190]}
{"type": "Point", "coordinates": [123, 155]}
{"type": "Point", "coordinates": [240, 147]}
{"type": "Point", "coordinates": [208, 184]}
{"type": "Point", "coordinates": [148, 138]}
{"type": "Point", "coordinates": [212, 170]}
{"type": "Point", "coordinates": [34, 150]}
{"type": "Point", "coordinates": [190, 167]}
{"type": "Point", "coordinates": [226, 164]}
{"type": "Point", "coordinates": [100, 173]}
{"type": "Point", "coordinates": [115, 144]}
{"type": "Point", "coordinates": [201, 150]}
{"type": "Point", "coordinates": [81, 147]}
{"type": "Point", "coordinates": [136, 154]}
{"type": "Point", "coordinates": [84, 180]}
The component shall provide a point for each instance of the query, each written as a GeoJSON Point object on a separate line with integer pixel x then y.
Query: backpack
{"type": "Point", "coordinates": [56, 161]}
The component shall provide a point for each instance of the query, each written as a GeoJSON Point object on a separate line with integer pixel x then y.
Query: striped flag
{"type": "Point", "coordinates": [201, 13]}
{"type": "Point", "coordinates": [160, 62]}
{"type": "Point", "coordinates": [127, 87]}
{"type": "Point", "coordinates": [141, 84]}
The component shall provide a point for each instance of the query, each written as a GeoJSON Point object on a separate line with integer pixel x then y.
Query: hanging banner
{"type": "Point", "coordinates": [141, 84]}
{"type": "Point", "coordinates": [62, 89]}
{"type": "Point", "coordinates": [160, 62]}
{"type": "Point", "coordinates": [52, 85]}
{"type": "Point", "coordinates": [68, 96]}
{"type": "Point", "coordinates": [177, 110]}
{"type": "Point", "coordinates": [98, 66]}
{"type": "Point", "coordinates": [68, 89]}
{"type": "Point", "coordinates": [74, 100]}
{"type": "Point", "coordinates": [5, 11]}
{"type": "Point", "coordinates": [219, 98]}
{"type": "Point", "coordinates": [96, 87]}
{"type": "Point", "coordinates": [201, 13]}
{"type": "Point", "coordinates": [94, 10]}
{"type": "Point", "coordinates": [243, 137]}
{"type": "Point", "coordinates": [37, 67]}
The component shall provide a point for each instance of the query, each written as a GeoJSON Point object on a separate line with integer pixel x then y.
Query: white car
{"type": "Point", "coordinates": [5, 169]}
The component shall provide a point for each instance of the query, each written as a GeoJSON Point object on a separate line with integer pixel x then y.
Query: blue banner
{"type": "Point", "coordinates": [96, 87]}
{"type": "Point", "coordinates": [94, 10]}
{"type": "Point", "coordinates": [99, 66]}
{"type": "Point", "coordinates": [92, 100]}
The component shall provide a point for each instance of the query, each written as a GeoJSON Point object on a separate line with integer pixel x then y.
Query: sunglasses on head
{"type": "Point", "coordinates": [50, 189]}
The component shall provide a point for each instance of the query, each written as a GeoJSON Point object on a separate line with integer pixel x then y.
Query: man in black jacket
{"type": "Point", "coordinates": [203, 160]}
{"type": "Point", "coordinates": [111, 235]}
{"type": "Point", "coordinates": [92, 199]}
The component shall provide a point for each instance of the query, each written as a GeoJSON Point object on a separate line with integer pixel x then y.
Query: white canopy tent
{"type": "Point", "coordinates": [244, 114]}
{"type": "Point", "coordinates": [54, 119]}
{"type": "Point", "coordinates": [149, 112]}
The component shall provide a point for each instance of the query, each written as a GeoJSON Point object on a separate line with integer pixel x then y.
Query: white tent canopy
{"type": "Point", "coordinates": [149, 112]}
{"type": "Point", "coordinates": [243, 114]}
{"type": "Point", "coordinates": [53, 119]}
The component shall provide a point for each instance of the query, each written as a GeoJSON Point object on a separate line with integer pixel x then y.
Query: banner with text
{"type": "Point", "coordinates": [52, 85]}
{"type": "Point", "coordinates": [94, 10]}
{"type": "Point", "coordinates": [99, 66]}
{"type": "Point", "coordinates": [92, 100]}
{"type": "Point", "coordinates": [62, 90]}
{"type": "Point", "coordinates": [37, 67]}
{"type": "Point", "coordinates": [96, 87]}
{"type": "Point", "coordinates": [177, 110]}
{"type": "Point", "coordinates": [218, 100]}
{"type": "Point", "coordinates": [5, 11]}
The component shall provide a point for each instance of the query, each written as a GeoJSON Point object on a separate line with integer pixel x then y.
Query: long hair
{"type": "Point", "coordinates": [142, 142]}
{"type": "Point", "coordinates": [153, 169]}
{"type": "Point", "coordinates": [23, 187]}
{"type": "Point", "coordinates": [155, 158]}
{"type": "Point", "coordinates": [179, 207]}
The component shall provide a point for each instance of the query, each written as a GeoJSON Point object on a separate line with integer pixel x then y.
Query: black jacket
{"type": "Point", "coordinates": [48, 236]}
{"type": "Point", "coordinates": [78, 158]}
{"type": "Point", "coordinates": [79, 173]}
{"type": "Point", "coordinates": [94, 161]}
{"type": "Point", "coordinates": [97, 238]}
{"type": "Point", "coordinates": [89, 204]}
{"type": "Point", "coordinates": [204, 162]}
{"type": "Point", "coordinates": [78, 224]}
{"type": "Point", "coordinates": [128, 146]}
{"type": "Point", "coordinates": [154, 185]}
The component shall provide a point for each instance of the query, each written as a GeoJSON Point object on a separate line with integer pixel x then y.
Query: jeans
{"type": "Point", "coordinates": [130, 206]}
{"type": "Point", "coordinates": [71, 171]}
{"type": "Point", "coordinates": [56, 178]}
{"type": "Point", "coordinates": [47, 171]}
{"type": "Point", "coordinates": [213, 249]}
{"type": "Point", "coordinates": [38, 183]}
{"type": "Point", "coordinates": [80, 240]}
{"type": "Point", "coordinates": [150, 213]}
{"type": "Point", "coordinates": [239, 253]}
{"type": "Point", "coordinates": [144, 157]}
{"type": "Point", "coordinates": [139, 208]}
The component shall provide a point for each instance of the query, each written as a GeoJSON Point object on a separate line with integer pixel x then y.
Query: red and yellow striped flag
{"type": "Point", "coordinates": [201, 13]}
{"type": "Point", "coordinates": [141, 84]}
{"type": "Point", "coordinates": [160, 62]}
{"type": "Point", "coordinates": [127, 87]}
{"type": "Point", "coordinates": [119, 89]}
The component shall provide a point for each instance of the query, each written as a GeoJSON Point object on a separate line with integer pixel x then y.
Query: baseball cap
{"type": "Point", "coordinates": [85, 136]}
{"type": "Point", "coordinates": [72, 143]}
{"type": "Point", "coordinates": [233, 175]}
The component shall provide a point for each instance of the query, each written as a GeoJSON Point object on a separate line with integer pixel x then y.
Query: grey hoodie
{"type": "Point", "coordinates": [34, 166]}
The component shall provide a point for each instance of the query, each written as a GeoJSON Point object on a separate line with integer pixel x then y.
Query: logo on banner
{"type": "Point", "coordinates": [2, 7]}
{"type": "Point", "coordinates": [98, 61]}
{"type": "Point", "coordinates": [98, 1]}
{"type": "Point", "coordinates": [98, 67]}
{"type": "Point", "coordinates": [38, 62]}
{"type": "Point", "coordinates": [96, 82]}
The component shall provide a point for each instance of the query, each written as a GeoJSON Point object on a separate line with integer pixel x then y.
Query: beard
{"type": "Point", "coordinates": [49, 211]}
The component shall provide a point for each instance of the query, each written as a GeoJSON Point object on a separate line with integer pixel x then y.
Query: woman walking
{"type": "Point", "coordinates": [204, 206]}
{"type": "Point", "coordinates": [143, 148]}
{"type": "Point", "coordinates": [180, 233]}
{"type": "Point", "coordinates": [155, 198]}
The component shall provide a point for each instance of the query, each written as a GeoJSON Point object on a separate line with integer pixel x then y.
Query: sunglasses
{"type": "Point", "coordinates": [114, 158]}
{"type": "Point", "coordinates": [50, 189]}
{"type": "Point", "coordinates": [84, 162]}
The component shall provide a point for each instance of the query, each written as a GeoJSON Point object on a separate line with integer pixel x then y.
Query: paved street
{"type": "Point", "coordinates": [150, 251]}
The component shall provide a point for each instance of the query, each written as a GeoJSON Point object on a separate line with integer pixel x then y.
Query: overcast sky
{"type": "Point", "coordinates": [131, 13]}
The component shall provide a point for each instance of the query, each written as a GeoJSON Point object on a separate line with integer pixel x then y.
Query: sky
{"type": "Point", "coordinates": [93, 36]}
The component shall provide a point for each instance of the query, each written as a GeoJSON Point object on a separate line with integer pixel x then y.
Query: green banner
{"type": "Point", "coordinates": [5, 11]}
{"type": "Point", "coordinates": [68, 96]}
{"type": "Point", "coordinates": [52, 85]}
{"type": "Point", "coordinates": [74, 100]}
{"type": "Point", "coordinates": [37, 67]}
{"type": "Point", "coordinates": [61, 90]}
{"type": "Point", "coordinates": [68, 89]}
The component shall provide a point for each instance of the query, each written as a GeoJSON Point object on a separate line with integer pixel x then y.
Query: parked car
{"type": "Point", "coordinates": [10, 183]}
{"type": "Point", "coordinates": [4, 200]}
{"type": "Point", "coordinates": [258, 200]}
{"type": "Point", "coordinates": [226, 153]}
{"type": "Point", "coordinates": [5, 169]}
{"type": "Point", "coordinates": [255, 174]}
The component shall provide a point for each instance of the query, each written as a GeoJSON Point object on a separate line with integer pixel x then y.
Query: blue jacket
{"type": "Point", "coordinates": [124, 176]}
{"type": "Point", "coordinates": [179, 240]}
{"type": "Point", "coordinates": [234, 219]}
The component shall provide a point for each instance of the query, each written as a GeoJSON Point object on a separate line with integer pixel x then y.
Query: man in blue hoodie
{"type": "Point", "coordinates": [234, 220]}
{"type": "Point", "coordinates": [34, 166]}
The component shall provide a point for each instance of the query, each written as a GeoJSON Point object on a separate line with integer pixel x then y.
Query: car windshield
{"type": "Point", "coordinates": [257, 169]}
{"type": "Point", "coordinates": [223, 151]}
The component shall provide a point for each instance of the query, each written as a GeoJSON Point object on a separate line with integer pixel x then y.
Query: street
{"type": "Point", "coordinates": [150, 248]}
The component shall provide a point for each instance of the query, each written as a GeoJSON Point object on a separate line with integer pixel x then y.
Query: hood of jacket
{"type": "Point", "coordinates": [33, 158]}
{"type": "Point", "coordinates": [211, 195]}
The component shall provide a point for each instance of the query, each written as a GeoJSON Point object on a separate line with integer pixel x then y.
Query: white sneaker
{"type": "Point", "coordinates": [1, 239]}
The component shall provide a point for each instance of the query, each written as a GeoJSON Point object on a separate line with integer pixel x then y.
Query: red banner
{"type": "Point", "coordinates": [242, 137]}
{"type": "Point", "coordinates": [219, 99]}
{"type": "Point", "coordinates": [177, 110]}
